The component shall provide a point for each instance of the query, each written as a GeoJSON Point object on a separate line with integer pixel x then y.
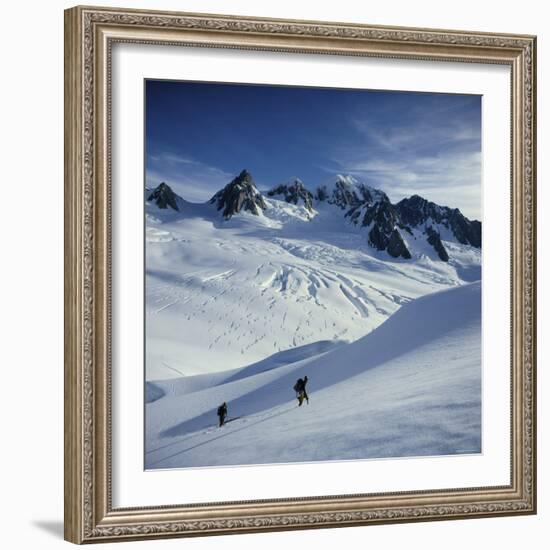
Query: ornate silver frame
{"type": "Point", "coordinates": [89, 35]}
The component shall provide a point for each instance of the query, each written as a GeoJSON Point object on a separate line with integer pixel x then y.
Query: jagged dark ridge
{"type": "Point", "coordinates": [388, 222]}
{"type": "Point", "coordinates": [389, 225]}
{"type": "Point", "coordinates": [416, 210]}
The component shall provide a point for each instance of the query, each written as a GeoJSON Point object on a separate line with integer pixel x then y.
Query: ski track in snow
{"type": "Point", "coordinates": [230, 428]}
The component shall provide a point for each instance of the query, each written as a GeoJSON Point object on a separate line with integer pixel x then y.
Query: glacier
{"type": "Point", "coordinates": [239, 307]}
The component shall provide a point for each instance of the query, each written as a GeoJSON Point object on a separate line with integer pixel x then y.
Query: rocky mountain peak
{"type": "Point", "coordinates": [164, 197]}
{"type": "Point", "coordinates": [244, 178]}
{"type": "Point", "coordinates": [240, 194]}
{"type": "Point", "coordinates": [347, 191]}
{"type": "Point", "coordinates": [416, 211]}
{"type": "Point", "coordinates": [294, 191]}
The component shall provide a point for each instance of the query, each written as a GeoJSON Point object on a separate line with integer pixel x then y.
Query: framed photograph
{"type": "Point", "coordinates": [300, 274]}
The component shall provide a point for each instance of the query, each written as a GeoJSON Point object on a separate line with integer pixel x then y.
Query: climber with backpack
{"type": "Point", "coordinates": [222, 413]}
{"type": "Point", "coordinates": [300, 389]}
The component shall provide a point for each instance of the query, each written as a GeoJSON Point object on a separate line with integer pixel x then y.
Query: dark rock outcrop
{"type": "Point", "coordinates": [435, 240]}
{"type": "Point", "coordinates": [164, 197]}
{"type": "Point", "coordinates": [382, 214]}
{"type": "Point", "coordinates": [293, 192]}
{"type": "Point", "coordinates": [241, 194]}
{"type": "Point", "coordinates": [466, 231]}
{"type": "Point", "coordinates": [377, 239]}
{"type": "Point", "coordinates": [384, 223]}
{"type": "Point", "coordinates": [416, 211]}
{"type": "Point", "coordinates": [370, 208]}
{"type": "Point", "coordinates": [397, 247]}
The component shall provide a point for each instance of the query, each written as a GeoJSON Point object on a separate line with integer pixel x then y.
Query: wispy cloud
{"type": "Point", "coordinates": [448, 179]}
{"type": "Point", "coordinates": [171, 158]}
{"type": "Point", "coordinates": [433, 152]}
{"type": "Point", "coordinates": [189, 178]}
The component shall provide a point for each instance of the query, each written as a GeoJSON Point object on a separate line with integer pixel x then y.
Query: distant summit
{"type": "Point", "coordinates": [164, 197]}
{"type": "Point", "coordinates": [294, 192]}
{"type": "Point", "coordinates": [241, 194]}
{"type": "Point", "coordinates": [347, 191]}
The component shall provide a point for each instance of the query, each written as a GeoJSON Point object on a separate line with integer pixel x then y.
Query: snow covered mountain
{"type": "Point", "coordinates": [418, 212]}
{"type": "Point", "coordinates": [395, 228]}
{"type": "Point", "coordinates": [295, 192]}
{"type": "Point", "coordinates": [412, 387]}
{"type": "Point", "coordinates": [164, 197]}
{"type": "Point", "coordinates": [242, 277]}
{"type": "Point", "coordinates": [347, 191]}
{"type": "Point", "coordinates": [239, 194]}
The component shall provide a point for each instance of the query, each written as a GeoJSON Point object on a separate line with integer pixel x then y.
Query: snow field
{"type": "Point", "coordinates": [221, 294]}
{"type": "Point", "coordinates": [412, 387]}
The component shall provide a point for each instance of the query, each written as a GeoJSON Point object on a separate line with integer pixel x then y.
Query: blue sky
{"type": "Point", "coordinates": [200, 135]}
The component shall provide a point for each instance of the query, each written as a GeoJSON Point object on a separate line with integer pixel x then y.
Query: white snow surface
{"type": "Point", "coordinates": [412, 387]}
{"type": "Point", "coordinates": [222, 294]}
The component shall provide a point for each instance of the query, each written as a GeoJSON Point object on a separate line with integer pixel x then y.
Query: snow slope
{"type": "Point", "coordinates": [412, 387]}
{"type": "Point", "coordinates": [221, 294]}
